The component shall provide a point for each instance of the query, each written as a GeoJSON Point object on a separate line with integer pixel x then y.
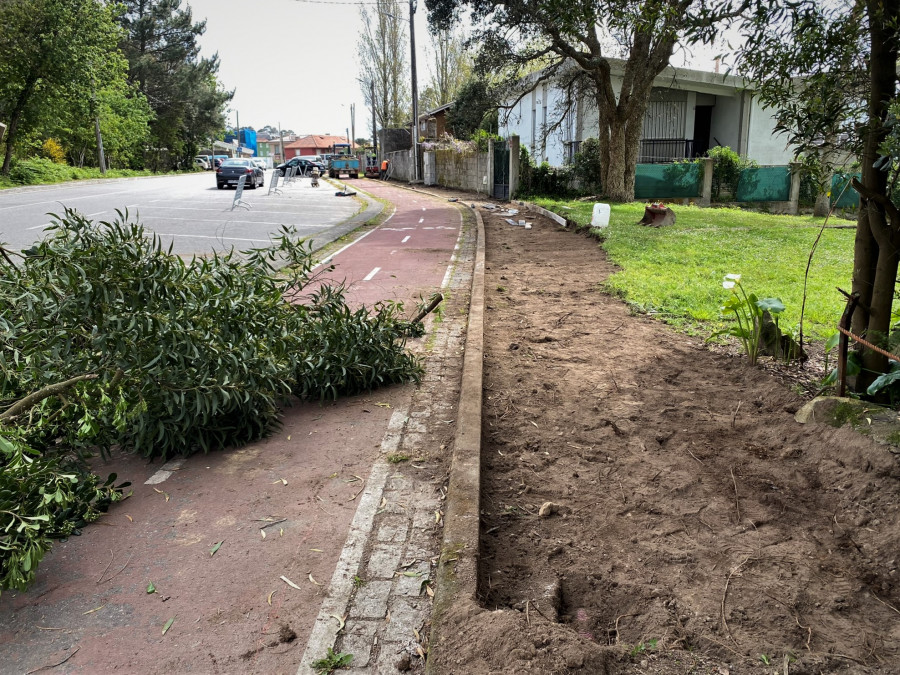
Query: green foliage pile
{"type": "Point", "coordinates": [42, 498]}
{"type": "Point", "coordinates": [122, 344]}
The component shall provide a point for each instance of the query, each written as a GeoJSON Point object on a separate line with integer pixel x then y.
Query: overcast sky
{"type": "Point", "coordinates": [296, 61]}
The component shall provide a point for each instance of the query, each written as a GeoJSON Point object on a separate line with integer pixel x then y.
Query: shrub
{"type": "Point", "coordinates": [543, 180]}
{"type": "Point", "coordinates": [39, 170]}
{"type": "Point", "coordinates": [52, 150]}
{"type": "Point", "coordinates": [727, 169]}
{"type": "Point", "coordinates": [587, 165]}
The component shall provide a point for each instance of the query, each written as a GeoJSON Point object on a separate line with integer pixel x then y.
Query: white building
{"type": "Point", "coordinates": [690, 111]}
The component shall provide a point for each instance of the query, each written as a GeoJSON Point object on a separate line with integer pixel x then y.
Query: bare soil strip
{"type": "Point", "coordinates": [693, 525]}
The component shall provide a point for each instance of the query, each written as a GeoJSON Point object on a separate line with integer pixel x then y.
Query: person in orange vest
{"type": "Point", "coordinates": [384, 169]}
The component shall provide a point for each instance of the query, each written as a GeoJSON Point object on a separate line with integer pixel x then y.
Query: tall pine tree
{"type": "Point", "coordinates": [182, 88]}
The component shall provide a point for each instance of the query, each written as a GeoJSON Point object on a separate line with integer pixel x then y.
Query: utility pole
{"type": "Point", "coordinates": [352, 126]}
{"type": "Point", "coordinates": [415, 89]}
{"type": "Point", "coordinates": [374, 123]}
{"type": "Point", "coordinates": [100, 154]}
{"type": "Point", "coordinates": [281, 141]}
{"type": "Point", "coordinates": [237, 124]}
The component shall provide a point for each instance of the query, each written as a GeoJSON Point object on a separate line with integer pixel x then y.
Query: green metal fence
{"type": "Point", "coordinates": [667, 181]}
{"type": "Point", "coordinates": [841, 198]}
{"type": "Point", "coordinates": [764, 184]}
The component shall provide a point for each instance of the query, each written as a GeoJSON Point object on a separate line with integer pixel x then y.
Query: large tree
{"type": "Point", "coordinates": [831, 71]}
{"type": "Point", "coordinates": [165, 64]}
{"type": "Point", "coordinates": [577, 39]}
{"type": "Point", "coordinates": [51, 49]}
{"type": "Point", "coordinates": [383, 49]}
{"type": "Point", "coordinates": [449, 66]}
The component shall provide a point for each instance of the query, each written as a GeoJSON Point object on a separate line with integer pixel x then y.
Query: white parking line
{"type": "Point", "coordinates": [372, 274]}
{"type": "Point", "coordinates": [204, 236]}
{"type": "Point", "coordinates": [57, 201]}
{"type": "Point", "coordinates": [405, 239]}
{"type": "Point", "coordinates": [218, 221]}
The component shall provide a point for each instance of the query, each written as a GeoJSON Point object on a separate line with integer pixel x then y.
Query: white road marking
{"type": "Point", "coordinates": [449, 272]}
{"type": "Point", "coordinates": [204, 236]}
{"type": "Point", "coordinates": [38, 227]}
{"type": "Point", "coordinates": [57, 201]}
{"type": "Point", "coordinates": [371, 274]}
{"type": "Point", "coordinates": [405, 239]}
{"type": "Point", "coordinates": [165, 471]}
{"type": "Point", "coordinates": [91, 215]}
{"type": "Point", "coordinates": [393, 252]}
{"type": "Point", "coordinates": [229, 222]}
{"type": "Point", "coordinates": [421, 220]}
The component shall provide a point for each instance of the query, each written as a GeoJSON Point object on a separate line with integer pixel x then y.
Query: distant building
{"type": "Point", "coordinates": [689, 112]}
{"type": "Point", "coordinates": [313, 144]}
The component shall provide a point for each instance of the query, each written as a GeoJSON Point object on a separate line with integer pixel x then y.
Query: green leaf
{"type": "Point", "coordinates": [771, 305]}
{"type": "Point", "coordinates": [216, 548]}
{"type": "Point", "coordinates": [168, 625]}
{"type": "Point", "coordinates": [885, 380]}
{"type": "Point", "coordinates": [151, 588]}
{"type": "Point", "coordinates": [832, 341]}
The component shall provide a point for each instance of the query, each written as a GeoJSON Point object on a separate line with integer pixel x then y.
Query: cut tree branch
{"type": "Point", "coordinates": [50, 390]}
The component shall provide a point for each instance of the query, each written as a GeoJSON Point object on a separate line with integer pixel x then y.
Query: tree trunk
{"type": "Point", "coordinates": [877, 231]}
{"type": "Point", "coordinates": [823, 205]}
{"type": "Point", "coordinates": [12, 133]}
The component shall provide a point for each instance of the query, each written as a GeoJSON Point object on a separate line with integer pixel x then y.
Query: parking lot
{"type": "Point", "coordinates": [186, 211]}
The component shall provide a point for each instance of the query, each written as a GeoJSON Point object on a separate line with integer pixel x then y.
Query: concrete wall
{"type": "Point", "coordinates": [464, 171]}
{"type": "Point", "coordinates": [725, 127]}
{"type": "Point", "coordinates": [401, 165]}
{"type": "Point", "coordinates": [763, 145]}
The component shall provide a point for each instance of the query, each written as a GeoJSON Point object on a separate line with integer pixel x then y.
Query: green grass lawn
{"type": "Point", "coordinates": [676, 272]}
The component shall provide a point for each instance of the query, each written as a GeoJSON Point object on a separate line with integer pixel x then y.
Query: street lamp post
{"type": "Point", "coordinates": [415, 92]}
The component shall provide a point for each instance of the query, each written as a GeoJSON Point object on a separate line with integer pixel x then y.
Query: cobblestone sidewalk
{"type": "Point", "coordinates": [378, 605]}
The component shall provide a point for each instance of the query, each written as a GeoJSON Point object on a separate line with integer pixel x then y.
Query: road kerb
{"type": "Point", "coordinates": [457, 574]}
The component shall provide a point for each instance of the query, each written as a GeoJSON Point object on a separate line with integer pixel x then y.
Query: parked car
{"type": "Point", "coordinates": [261, 163]}
{"type": "Point", "coordinates": [201, 163]}
{"type": "Point", "coordinates": [231, 170]}
{"type": "Point", "coordinates": [304, 166]}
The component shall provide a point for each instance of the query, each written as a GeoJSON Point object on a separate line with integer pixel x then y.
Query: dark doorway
{"type": "Point", "coordinates": [702, 129]}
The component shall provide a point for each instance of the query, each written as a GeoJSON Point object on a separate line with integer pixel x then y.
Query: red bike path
{"type": "Point", "coordinates": [239, 544]}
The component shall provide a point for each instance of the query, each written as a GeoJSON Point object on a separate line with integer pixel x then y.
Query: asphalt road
{"type": "Point", "coordinates": [187, 210]}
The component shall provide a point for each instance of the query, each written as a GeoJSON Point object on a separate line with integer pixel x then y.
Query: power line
{"type": "Point", "coordinates": [340, 2]}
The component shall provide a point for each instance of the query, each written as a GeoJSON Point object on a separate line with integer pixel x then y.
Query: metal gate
{"type": "Point", "coordinates": [501, 170]}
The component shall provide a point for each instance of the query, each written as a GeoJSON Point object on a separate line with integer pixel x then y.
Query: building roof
{"type": "Point", "coordinates": [318, 141]}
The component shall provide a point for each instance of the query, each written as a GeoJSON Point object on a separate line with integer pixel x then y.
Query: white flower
{"type": "Point", "coordinates": [728, 284]}
{"type": "Point", "coordinates": [733, 277]}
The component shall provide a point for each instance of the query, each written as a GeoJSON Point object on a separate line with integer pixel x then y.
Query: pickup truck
{"type": "Point", "coordinates": [352, 166]}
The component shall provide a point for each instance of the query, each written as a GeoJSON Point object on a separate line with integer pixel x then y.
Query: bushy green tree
{"type": "Point", "coordinates": [51, 50]}
{"type": "Point", "coordinates": [474, 108]}
{"type": "Point", "coordinates": [829, 70]}
{"type": "Point", "coordinates": [188, 103]}
{"type": "Point", "coordinates": [577, 42]}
